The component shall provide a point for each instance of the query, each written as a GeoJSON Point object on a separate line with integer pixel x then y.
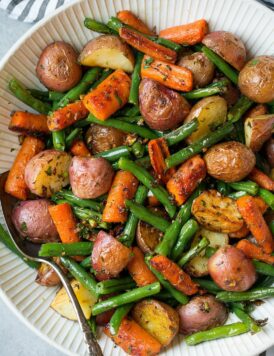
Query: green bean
{"type": "Point", "coordinates": [264, 268]}
{"type": "Point", "coordinates": [132, 221]}
{"type": "Point", "coordinates": [115, 285]}
{"type": "Point", "coordinates": [252, 294]}
{"type": "Point", "coordinates": [86, 263]}
{"type": "Point", "coordinates": [21, 93]}
{"type": "Point", "coordinates": [181, 132]}
{"type": "Point", "coordinates": [212, 89]}
{"type": "Point", "coordinates": [198, 146]}
{"type": "Point", "coordinates": [58, 249]}
{"type": "Point", "coordinates": [96, 26]}
{"type": "Point", "coordinates": [128, 297]}
{"type": "Point", "coordinates": [132, 119]}
{"type": "Point", "coordinates": [105, 73]}
{"type": "Point", "coordinates": [138, 149]}
{"type": "Point", "coordinates": [222, 65]}
{"type": "Point", "coordinates": [74, 94]}
{"type": "Point", "coordinates": [93, 326]}
{"type": "Point", "coordinates": [223, 187]}
{"type": "Point", "coordinates": [207, 284]}
{"type": "Point", "coordinates": [209, 251]}
{"type": "Point", "coordinates": [217, 333]}
{"type": "Point", "coordinates": [237, 195]}
{"type": "Point", "coordinates": [114, 154]}
{"type": "Point", "coordinates": [55, 95]}
{"type": "Point", "coordinates": [94, 216]}
{"type": "Point", "coordinates": [187, 232]}
{"type": "Point", "coordinates": [169, 44]}
{"type": "Point", "coordinates": [271, 226]}
{"type": "Point", "coordinates": [118, 316]}
{"type": "Point", "coordinates": [193, 252]}
{"type": "Point", "coordinates": [266, 282]}
{"type": "Point", "coordinates": [143, 176]}
{"type": "Point", "coordinates": [59, 140]}
{"type": "Point", "coordinates": [135, 80]}
{"type": "Point", "coordinates": [267, 196]}
{"type": "Point", "coordinates": [248, 187]}
{"type": "Point", "coordinates": [237, 110]}
{"type": "Point", "coordinates": [246, 319]}
{"type": "Point", "coordinates": [39, 94]}
{"type": "Point", "coordinates": [75, 133]}
{"type": "Point", "coordinates": [262, 163]}
{"type": "Point", "coordinates": [129, 111]}
{"type": "Point", "coordinates": [239, 133]}
{"type": "Point", "coordinates": [80, 274]}
{"type": "Point", "coordinates": [72, 199]}
{"type": "Point", "coordinates": [8, 242]}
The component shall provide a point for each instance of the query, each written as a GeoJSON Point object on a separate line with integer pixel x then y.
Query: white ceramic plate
{"type": "Point", "coordinates": [252, 22]}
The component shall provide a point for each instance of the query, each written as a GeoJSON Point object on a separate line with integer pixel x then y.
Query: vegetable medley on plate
{"type": "Point", "coordinates": [148, 176]}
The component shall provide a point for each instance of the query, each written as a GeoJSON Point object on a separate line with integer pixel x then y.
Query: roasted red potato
{"type": "Point", "coordinates": [258, 130]}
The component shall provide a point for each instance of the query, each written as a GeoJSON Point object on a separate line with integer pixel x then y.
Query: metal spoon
{"type": "Point", "coordinates": [30, 250]}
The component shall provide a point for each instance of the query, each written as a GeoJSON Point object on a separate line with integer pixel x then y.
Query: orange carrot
{"type": "Point", "coordinates": [261, 204]}
{"type": "Point", "coordinates": [253, 251]}
{"type": "Point", "coordinates": [109, 96]}
{"type": "Point", "coordinates": [128, 18]}
{"type": "Point", "coordinates": [255, 222]}
{"type": "Point", "coordinates": [174, 274]}
{"type": "Point", "coordinates": [188, 34]}
{"type": "Point", "coordinates": [123, 187]}
{"type": "Point", "coordinates": [134, 340]}
{"type": "Point", "coordinates": [28, 123]}
{"type": "Point", "coordinates": [79, 148]}
{"type": "Point", "coordinates": [153, 201]}
{"type": "Point", "coordinates": [261, 179]}
{"type": "Point", "coordinates": [67, 116]}
{"type": "Point", "coordinates": [143, 44]}
{"type": "Point", "coordinates": [186, 179]}
{"type": "Point", "coordinates": [170, 75]}
{"type": "Point", "coordinates": [65, 222]}
{"type": "Point", "coordinates": [15, 184]}
{"type": "Point", "coordinates": [138, 269]}
{"type": "Point", "coordinates": [158, 152]}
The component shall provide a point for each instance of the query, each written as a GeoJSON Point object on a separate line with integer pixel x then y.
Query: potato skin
{"type": "Point", "coordinates": [100, 138]}
{"type": "Point", "coordinates": [227, 46]}
{"type": "Point", "coordinates": [158, 319]}
{"type": "Point", "coordinates": [229, 161]}
{"type": "Point", "coordinates": [201, 313]}
{"type": "Point", "coordinates": [256, 79]}
{"type": "Point", "coordinates": [32, 220]}
{"type": "Point", "coordinates": [258, 130]}
{"type": "Point", "coordinates": [90, 177]}
{"type": "Point", "coordinates": [200, 66]}
{"type": "Point", "coordinates": [231, 270]}
{"type": "Point", "coordinates": [161, 107]}
{"type": "Point", "coordinates": [109, 255]}
{"type": "Point", "coordinates": [57, 67]}
{"type": "Point", "coordinates": [269, 150]}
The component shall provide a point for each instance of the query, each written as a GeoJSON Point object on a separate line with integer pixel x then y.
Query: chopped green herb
{"type": "Point", "coordinates": [24, 227]}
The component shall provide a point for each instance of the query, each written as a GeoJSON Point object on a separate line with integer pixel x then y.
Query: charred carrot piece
{"type": "Point", "coordinates": [153, 201]}
{"type": "Point", "coordinates": [255, 222]}
{"type": "Point", "coordinates": [109, 96]}
{"type": "Point", "coordinates": [28, 123]}
{"type": "Point", "coordinates": [15, 184]}
{"type": "Point", "coordinates": [253, 251]}
{"type": "Point", "coordinates": [261, 204]}
{"type": "Point", "coordinates": [143, 44]}
{"type": "Point", "coordinates": [139, 270]}
{"type": "Point", "coordinates": [174, 274]}
{"type": "Point", "coordinates": [66, 116]}
{"type": "Point", "coordinates": [183, 183]}
{"type": "Point", "coordinates": [261, 179]}
{"type": "Point", "coordinates": [79, 148]}
{"type": "Point", "coordinates": [170, 75]}
{"type": "Point", "coordinates": [158, 152]}
{"type": "Point", "coordinates": [133, 339]}
{"type": "Point", "coordinates": [128, 18]}
{"type": "Point", "coordinates": [188, 34]}
{"type": "Point", "coordinates": [124, 187]}
{"type": "Point", "coordinates": [65, 222]}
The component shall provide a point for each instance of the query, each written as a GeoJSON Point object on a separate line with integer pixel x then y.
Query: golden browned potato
{"type": "Point", "coordinates": [258, 130]}
{"type": "Point", "coordinates": [46, 276]}
{"type": "Point", "coordinates": [158, 319]}
{"type": "Point", "coordinates": [200, 66]}
{"type": "Point", "coordinates": [197, 266]}
{"type": "Point", "coordinates": [256, 79]}
{"type": "Point", "coordinates": [210, 113]}
{"type": "Point", "coordinates": [216, 212]}
{"type": "Point", "coordinates": [216, 239]}
{"type": "Point", "coordinates": [107, 51]}
{"type": "Point", "coordinates": [229, 161]}
{"type": "Point", "coordinates": [227, 46]}
{"type": "Point", "coordinates": [257, 110]}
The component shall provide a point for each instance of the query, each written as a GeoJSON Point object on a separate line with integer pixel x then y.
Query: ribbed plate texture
{"type": "Point", "coordinates": [253, 23]}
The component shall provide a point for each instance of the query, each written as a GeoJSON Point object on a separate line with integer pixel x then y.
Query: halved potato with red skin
{"type": "Point", "coordinates": [258, 130]}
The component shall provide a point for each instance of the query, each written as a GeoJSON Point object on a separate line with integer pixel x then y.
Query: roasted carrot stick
{"type": "Point", "coordinates": [128, 18]}
{"type": "Point", "coordinates": [138, 269]}
{"type": "Point", "coordinates": [15, 183]}
{"type": "Point", "coordinates": [134, 340]}
{"type": "Point", "coordinates": [261, 179]}
{"type": "Point", "coordinates": [109, 96]}
{"type": "Point", "coordinates": [28, 123]}
{"type": "Point", "coordinates": [253, 251]}
{"type": "Point", "coordinates": [158, 152]}
{"type": "Point", "coordinates": [261, 204]}
{"type": "Point", "coordinates": [123, 187]}
{"type": "Point", "coordinates": [255, 222]}
{"type": "Point", "coordinates": [79, 148]}
{"type": "Point", "coordinates": [188, 34]}
{"type": "Point", "coordinates": [143, 44]}
{"type": "Point", "coordinates": [67, 116]}
{"type": "Point", "coordinates": [65, 222]}
{"type": "Point", "coordinates": [186, 179]}
{"type": "Point", "coordinates": [174, 274]}
{"type": "Point", "coordinates": [170, 75]}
